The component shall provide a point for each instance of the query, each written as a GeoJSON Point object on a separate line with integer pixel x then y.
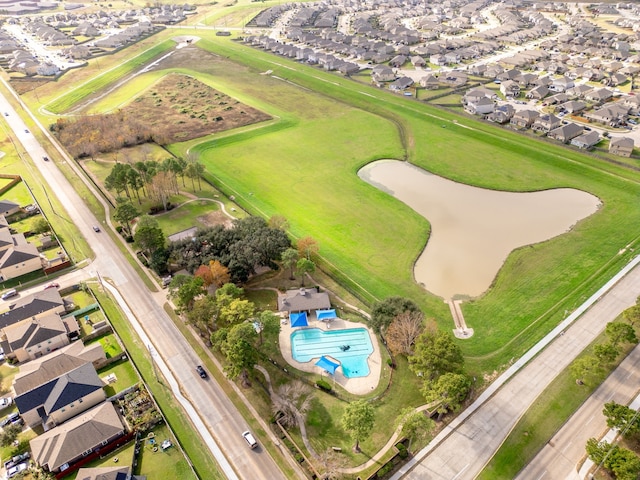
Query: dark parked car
{"type": "Point", "coordinates": [201, 371]}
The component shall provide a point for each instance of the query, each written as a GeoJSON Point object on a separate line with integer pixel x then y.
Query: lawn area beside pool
{"type": "Point", "coordinates": [356, 385]}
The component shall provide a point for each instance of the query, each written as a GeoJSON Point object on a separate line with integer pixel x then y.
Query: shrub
{"type": "Point", "coordinates": [402, 450]}
{"type": "Point", "coordinates": [390, 363]}
{"type": "Point", "coordinates": [323, 385]}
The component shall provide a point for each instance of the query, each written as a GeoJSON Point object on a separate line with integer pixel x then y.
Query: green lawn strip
{"type": "Point", "coordinates": [69, 99]}
{"type": "Point", "coordinates": [223, 383]}
{"type": "Point", "coordinates": [544, 418]}
{"type": "Point", "coordinates": [125, 374]}
{"type": "Point", "coordinates": [503, 160]}
{"type": "Point", "coordinates": [158, 464]}
{"type": "Point", "coordinates": [203, 463]}
{"type": "Point", "coordinates": [121, 457]}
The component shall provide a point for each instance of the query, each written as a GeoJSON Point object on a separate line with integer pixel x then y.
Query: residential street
{"type": "Point", "coordinates": [464, 447]}
{"type": "Point", "coordinates": [209, 406]}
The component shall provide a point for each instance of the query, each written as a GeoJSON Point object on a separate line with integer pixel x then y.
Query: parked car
{"type": "Point", "coordinates": [201, 371]}
{"type": "Point", "coordinates": [5, 402]}
{"type": "Point", "coordinates": [52, 285]}
{"type": "Point", "coordinates": [9, 294]}
{"type": "Point", "coordinates": [16, 469]}
{"type": "Point", "coordinates": [249, 438]}
{"type": "Point", "coordinates": [11, 418]}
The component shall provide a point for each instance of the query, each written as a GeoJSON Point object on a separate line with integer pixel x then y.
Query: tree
{"type": "Point", "coordinates": [292, 402]}
{"type": "Point", "coordinates": [219, 273]}
{"type": "Point", "coordinates": [184, 289]}
{"type": "Point", "coordinates": [623, 463]}
{"type": "Point", "coordinates": [40, 226]}
{"type": "Point", "coordinates": [289, 260]}
{"type": "Point", "coordinates": [9, 434]}
{"type": "Point", "coordinates": [619, 332]}
{"type": "Point", "coordinates": [450, 389]}
{"type": "Point", "coordinates": [332, 464]}
{"type": "Point", "coordinates": [606, 352]}
{"type": "Point", "coordinates": [357, 420]}
{"type": "Point", "coordinates": [632, 314]}
{"type": "Point", "coordinates": [435, 354]}
{"type": "Point", "coordinates": [278, 222]}
{"type": "Point", "coordinates": [203, 314]}
{"type": "Point", "coordinates": [239, 351]}
{"type": "Point", "coordinates": [584, 368]}
{"type": "Point", "coordinates": [149, 236]}
{"type": "Point", "coordinates": [270, 325]}
{"type": "Point", "coordinates": [623, 418]}
{"type": "Point", "coordinates": [125, 213]}
{"type": "Point", "coordinates": [204, 272]}
{"type": "Point", "coordinates": [404, 331]}
{"type": "Point", "coordinates": [305, 266]}
{"type": "Point", "coordinates": [160, 188]}
{"type": "Point", "coordinates": [385, 311]}
{"type": "Point", "coordinates": [236, 311]}
{"type": "Point", "coordinates": [307, 247]}
{"type": "Point", "coordinates": [415, 424]}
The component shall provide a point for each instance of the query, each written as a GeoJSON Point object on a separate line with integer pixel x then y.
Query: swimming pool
{"type": "Point", "coordinates": [310, 343]}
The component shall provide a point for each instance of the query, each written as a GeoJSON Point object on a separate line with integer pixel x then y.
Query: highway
{"type": "Point", "coordinates": [210, 407]}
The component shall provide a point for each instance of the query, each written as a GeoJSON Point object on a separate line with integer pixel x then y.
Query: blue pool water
{"type": "Point", "coordinates": [310, 343]}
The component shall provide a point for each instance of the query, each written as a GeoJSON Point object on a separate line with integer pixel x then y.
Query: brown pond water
{"type": "Point", "coordinates": [473, 230]}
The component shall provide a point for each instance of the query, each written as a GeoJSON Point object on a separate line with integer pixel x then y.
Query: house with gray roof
{"type": "Point", "coordinates": [622, 146]}
{"type": "Point", "coordinates": [61, 398]}
{"type": "Point", "coordinates": [524, 118]}
{"type": "Point", "coordinates": [38, 304]}
{"type": "Point", "coordinates": [546, 123]}
{"type": "Point", "coordinates": [7, 207]}
{"type": "Point", "coordinates": [77, 438]}
{"type": "Point", "coordinates": [586, 140]}
{"type": "Point", "coordinates": [35, 337]}
{"type": "Point", "coordinates": [565, 133]}
{"type": "Point", "coordinates": [303, 300]}
{"type": "Point", "coordinates": [19, 260]}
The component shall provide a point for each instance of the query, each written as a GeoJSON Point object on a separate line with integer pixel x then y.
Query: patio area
{"type": "Point", "coordinates": [359, 385]}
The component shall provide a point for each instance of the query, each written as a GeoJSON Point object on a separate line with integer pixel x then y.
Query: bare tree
{"type": "Point", "coordinates": [405, 328]}
{"type": "Point", "coordinates": [292, 399]}
{"type": "Point", "coordinates": [332, 464]}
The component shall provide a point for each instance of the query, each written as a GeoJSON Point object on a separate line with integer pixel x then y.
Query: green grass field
{"type": "Point", "coordinates": [304, 166]}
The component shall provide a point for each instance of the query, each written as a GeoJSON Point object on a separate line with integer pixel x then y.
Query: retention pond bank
{"type": "Point", "coordinates": [473, 230]}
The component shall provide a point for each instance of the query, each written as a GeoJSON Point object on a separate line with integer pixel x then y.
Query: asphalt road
{"type": "Point", "coordinates": [464, 450]}
{"type": "Point", "coordinates": [210, 404]}
{"type": "Point", "coordinates": [560, 456]}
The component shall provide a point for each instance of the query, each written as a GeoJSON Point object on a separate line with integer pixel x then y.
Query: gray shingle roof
{"type": "Point", "coordinates": [30, 306]}
{"type": "Point", "coordinates": [303, 299]}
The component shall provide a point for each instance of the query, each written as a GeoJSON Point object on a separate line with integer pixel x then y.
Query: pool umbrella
{"type": "Point", "coordinates": [324, 315]}
{"type": "Point", "coordinates": [327, 365]}
{"type": "Point", "coordinates": [298, 319]}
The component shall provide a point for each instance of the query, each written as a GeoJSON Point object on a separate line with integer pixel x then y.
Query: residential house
{"type": "Point", "coordinates": [524, 118]}
{"type": "Point", "coordinates": [613, 114]}
{"type": "Point", "coordinates": [42, 369]}
{"type": "Point", "coordinates": [633, 103]}
{"type": "Point", "coordinates": [482, 106]}
{"type": "Point", "coordinates": [598, 95]}
{"type": "Point", "coordinates": [303, 300]}
{"type": "Point", "coordinates": [430, 82]}
{"type": "Point", "coordinates": [61, 398]}
{"type": "Point", "coordinates": [557, 98]}
{"type": "Point", "coordinates": [19, 260]}
{"type": "Point", "coordinates": [453, 79]}
{"type": "Point", "coordinates": [382, 73]}
{"type": "Point", "coordinates": [401, 84]}
{"type": "Point", "coordinates": [538, 93]}
{"type": "Point", "coordinates": [615, 79]}
{"type": "Point", "coordinates": [622, 146]}
{"type": "Point", "coordinates": [573, 106]}
{"type": "Point", "coordinates": [502, 114]}
{"type": "Point", "coordinates": [579, 91]}
{"type": "Point", "coordinates": [35, 337]}
{"type": "Point", "coordinates": [418, 61]}
{"type": "Point", "coordinates": [35, 305]}
{"type": "Point", "coordinates": [561, 84]}
{"type": "Point", "coordinates": [77, 438]}
{"type": "Point", "coordinates": [398, 61]}
{"type": "Point", "coordinates": [546, 123]}
{"type": "Point", "coordinates": [106, 473]}
{"type": "Point", "coordinates": [565, 133]}
{"type": "Point", "coordinates": [7, 207]}
{"type": "Point", "coordinates": [438, 59]}
{"type": "Point", "coordinates": [509, 88]}
{"type": "Point", "coordinates": [586, 140]}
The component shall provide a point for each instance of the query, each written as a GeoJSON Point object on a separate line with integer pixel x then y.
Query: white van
{"type": "Point", "coordinates": [9, 293]}
{"type": "Point", "coordinates": [250, 439]}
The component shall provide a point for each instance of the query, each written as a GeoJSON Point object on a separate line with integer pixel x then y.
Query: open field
{"type": "Point", "coordinates": [304, 168]}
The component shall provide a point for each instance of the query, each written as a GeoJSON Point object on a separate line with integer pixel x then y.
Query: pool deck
{"type": "Point", "coordinates": [357, 386]}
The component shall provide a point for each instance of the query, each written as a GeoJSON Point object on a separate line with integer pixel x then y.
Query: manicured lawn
{"type": "Point", "coordinates": [125, 374]}
{"type": "Point", "coordinates": [169, 463]}
{"type": "Point", "coordinates": [23, 445]}
{"type": "Point", "coordinates": [124, 456]}
{"type": "Point", "coordinates": [109, 344]}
